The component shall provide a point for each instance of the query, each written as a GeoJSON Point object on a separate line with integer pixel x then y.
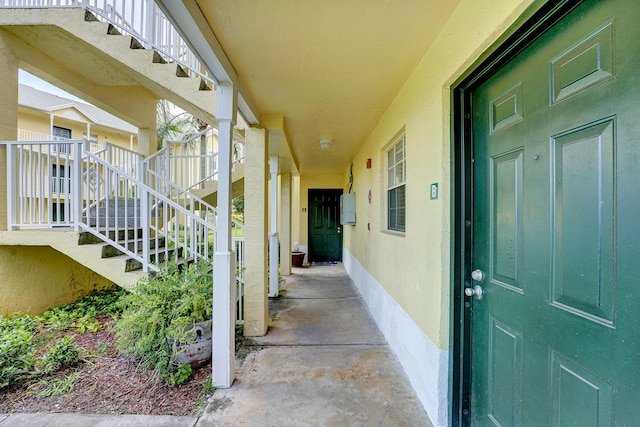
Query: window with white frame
{"type": "Point", "coordinates": [396, 177]}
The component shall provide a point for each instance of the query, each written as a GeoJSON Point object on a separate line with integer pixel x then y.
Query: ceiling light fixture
{"type": "Point", "coordinates": [325, 144]}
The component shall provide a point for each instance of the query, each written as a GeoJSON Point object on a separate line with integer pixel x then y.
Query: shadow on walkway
{"type": "Point", "coordinates": [322, 362]}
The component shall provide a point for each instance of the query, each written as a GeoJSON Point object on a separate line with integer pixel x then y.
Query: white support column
{"type": "Point", "coordinates": [273, 232]}
{"type": "Point", "coordinates": [224, 283]}
{"type": "Point", "coordinates": [285, 224]}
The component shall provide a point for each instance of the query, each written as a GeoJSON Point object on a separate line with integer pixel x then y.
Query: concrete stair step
{"type": "Point", "coordinates": [87, 238]}
{"type": "Point", "coordinates": [112, 221]}
{"type": "Point", "coordinates": [109, 251]}
{"type": "Point", "coordinates": [133, 264]}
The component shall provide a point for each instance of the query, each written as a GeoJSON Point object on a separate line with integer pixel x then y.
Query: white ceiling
{"type": "Point", "coordinates": [329, 67]}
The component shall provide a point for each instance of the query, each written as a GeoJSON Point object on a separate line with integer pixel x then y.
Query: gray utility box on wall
{"type": "Point", "coordinates": [348, 209]}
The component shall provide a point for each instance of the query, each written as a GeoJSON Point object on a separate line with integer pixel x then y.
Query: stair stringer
{"type": "Point", "coordinates": [90, 256]}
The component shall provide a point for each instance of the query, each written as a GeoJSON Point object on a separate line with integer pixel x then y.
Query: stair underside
{"type": "Point", "coordinates": [210, 191]}
{"type": "Point", "coordinates": [107, 60]}
{"type": "Point", "coordinates": [89, 255]}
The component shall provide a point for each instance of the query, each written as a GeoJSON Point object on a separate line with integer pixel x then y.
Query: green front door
{"type": "Point", "coordinates": [555, 336]}
{"type": "Point", "coordinates": [324, 226]}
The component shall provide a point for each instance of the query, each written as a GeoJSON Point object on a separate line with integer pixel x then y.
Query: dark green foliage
{"type": "Point", "coordinates": [82, 315]}
{"type": "Point", "coordinates": [63, 354]}
{"type": "Point", "coordinates": [22, 336]}
{"type": "Point", "coordinates": [16, 349]}
{"type": "Point", "coordinates": [159, 313]}
{"type": "Point", "coordinates": [238, 204]}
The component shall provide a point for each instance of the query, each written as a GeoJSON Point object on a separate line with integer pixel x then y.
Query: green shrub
{"type": "Point", "coordinates": [18, 346]}
{"type": "Point", "coordinates": [63, 354]}
{"type": "Point", "coordinates": [82, 315]}
{"type": "Point", "coordinates": [160, 311]}
{"type": "Point", "coordinates": [17, 350]}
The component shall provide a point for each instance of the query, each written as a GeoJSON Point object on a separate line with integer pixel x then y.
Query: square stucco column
{"type": "Point", "coordinates": [9, 122]}
{"type": "Point", "coordinates": [256, 309]}
{"type": "Point", "coordinates": [285, 224]}
{"type": "Point", "coordinates": [148, 135]}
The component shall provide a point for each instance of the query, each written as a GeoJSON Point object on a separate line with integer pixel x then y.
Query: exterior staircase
{"type": "Point", "coordinates": [121, 58]}
{"type": "Point", "coordinates": [120, 235]}
{"type": "Point", "coordinates": [209, 190]}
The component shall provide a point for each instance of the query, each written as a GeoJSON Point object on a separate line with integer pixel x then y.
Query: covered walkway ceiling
{"type": "Point", "coordinates": [329, 67]}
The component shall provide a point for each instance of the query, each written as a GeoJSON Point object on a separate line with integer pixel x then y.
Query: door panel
{"type": "Point", "coordinates": [324, 225]}
{"type": "Point", "coordinates": [556, 161]}
{"type": "Point", "coordinates": [583, 173]}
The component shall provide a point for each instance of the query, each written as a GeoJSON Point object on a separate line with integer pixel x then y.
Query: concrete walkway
{"type": "Point", "coordinates": [322, 363]}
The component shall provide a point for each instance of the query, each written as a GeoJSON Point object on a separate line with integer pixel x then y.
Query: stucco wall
{"type": "Point", "coordinates": [36, 278]}
{"type": "Point", "coordinates": [414, 268]}
{"type": "Point", "coordinates": [40, 122]}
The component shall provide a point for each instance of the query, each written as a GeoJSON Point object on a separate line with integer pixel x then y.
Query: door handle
{"type": "Point", "coordinates": [475, 291]}
{"type": "Point", "coordinates": [339, 229]}
{"type": "Point", "coordinates": [477, 275]}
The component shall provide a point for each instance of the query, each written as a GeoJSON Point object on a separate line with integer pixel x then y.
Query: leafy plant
{"type": "Point", "coordinates": [82, 315]}
{"type": "Point", "coordinates": [159, 314]}
{"type": "Point", "coordinates": [17, 350]}
{"type": "Point", "coordinates": [22, 337]}
{"type": "Point", "coordinates": [54, 386]}
{"type": "Point", "coordinates": [63, 354]}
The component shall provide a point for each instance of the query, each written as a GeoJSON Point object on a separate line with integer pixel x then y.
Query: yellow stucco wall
{"type": "Point", "coordinates": [33, 121]}
{"type": "Point", "coordinates": [36, 278]}
{"type": "Point", "coordinates": [70, 118]}
{"type": "Point", "coordinates": [414, 267]}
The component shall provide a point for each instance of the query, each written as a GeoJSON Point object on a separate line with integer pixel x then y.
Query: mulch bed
{"type": "Point", "coordinates": [110, 383]}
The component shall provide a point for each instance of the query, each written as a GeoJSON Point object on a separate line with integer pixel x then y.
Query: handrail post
{"type": "Point", "coordinates": [107, 184]}
{"type": "Point", "coordinates": [145, 224]}
{"type": "Point", "coordinates": [11, 186]}
{"type": "Point", "coordinates": [76, 183]}
{"type": "Point", "coordinates": [150, 33]}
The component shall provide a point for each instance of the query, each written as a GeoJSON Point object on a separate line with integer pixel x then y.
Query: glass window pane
{"type": "Point", "coordinates": [399, 150]}
{"type": "Point", "coordinates": [399, 175]}
{"type": "Point", "coordinates": [392, 220]}
{"type": "Point", "coordinates": [400, 219]}
{"type": "Point", "coordinates": [396, 176]}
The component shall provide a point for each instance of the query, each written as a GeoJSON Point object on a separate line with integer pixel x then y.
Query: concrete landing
{"type": "Point", "coordinates": [322, 363]}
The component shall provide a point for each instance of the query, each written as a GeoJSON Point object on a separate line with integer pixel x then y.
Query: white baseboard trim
{"type": "Point", "coordinates": [425, 364]}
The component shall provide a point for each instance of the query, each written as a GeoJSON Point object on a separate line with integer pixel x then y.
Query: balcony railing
{"type": "Point", "coordinates": [29, 135]}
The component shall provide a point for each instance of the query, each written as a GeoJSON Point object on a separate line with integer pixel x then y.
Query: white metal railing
{"type": "Point", "coordinates": [191, 163]}
{"type": "Point", "coordinates": [127, 161]}
{"type": "Point", "coordinates": [238, 247]}
{"type": "Point", "coordinates": [72, 187]}
{"type": "Point", "coordinates": [29, 135]}
{"type": "Point", "coordinates": [141, 19]}
{"type": "Point", "coordinates": [40, 183]}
